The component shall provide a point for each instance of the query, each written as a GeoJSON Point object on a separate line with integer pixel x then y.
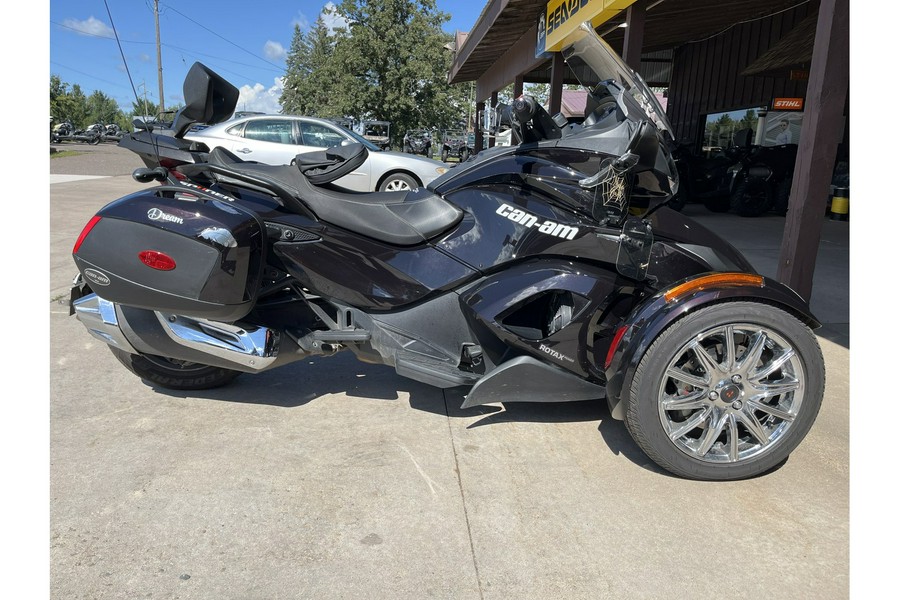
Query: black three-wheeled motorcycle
{"type": "Point", "coordinates": [549, 271]}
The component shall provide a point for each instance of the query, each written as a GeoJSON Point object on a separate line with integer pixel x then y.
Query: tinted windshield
{"type": "Point", "coordinates": [594, 63]}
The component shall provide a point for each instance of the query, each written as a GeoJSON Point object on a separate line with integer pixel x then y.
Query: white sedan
{"type": "Point", "coordinates": [277, 139]}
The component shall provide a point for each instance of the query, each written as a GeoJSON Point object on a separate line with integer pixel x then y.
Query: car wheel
{"type": "Point", "coordinates": [727, 392]}
{"type": "Point", "coordinates": [445, 154]}
{"type": "Point", "coordinates": [398, 182]}
{"type": "Point", "coordinates": [174, 374]}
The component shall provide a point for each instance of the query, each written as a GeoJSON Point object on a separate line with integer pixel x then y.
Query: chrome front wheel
{"type": "Point", "coordinates": [727, 392]}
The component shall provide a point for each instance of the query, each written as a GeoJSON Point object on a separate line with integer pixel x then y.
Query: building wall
{"type": "Point", "coordinates": [706, 74]}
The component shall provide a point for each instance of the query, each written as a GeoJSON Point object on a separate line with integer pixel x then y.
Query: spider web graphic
{"type": "Point", "coordinates": [612, 188]}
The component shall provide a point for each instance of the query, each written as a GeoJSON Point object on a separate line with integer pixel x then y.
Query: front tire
{"type": "Point", "coordinates": [727, 392]}
{"type": "Point", "coordinates": [174, 374]}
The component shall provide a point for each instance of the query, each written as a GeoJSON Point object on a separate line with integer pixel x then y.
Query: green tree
{"type": "Point", "coordinates": [313, 79]}
{"type": "Point", "coordinates": [102, 109]}
{"type": "Point", "coordinates": [388, 64]}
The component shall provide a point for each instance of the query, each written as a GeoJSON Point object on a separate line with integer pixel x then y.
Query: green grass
{"type": "Point", "coordinates": [64, 153]}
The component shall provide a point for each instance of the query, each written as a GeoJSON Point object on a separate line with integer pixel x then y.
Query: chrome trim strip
{"type": "Point", "coordinates": [100, 319]}
{"type": "Point", "coordinates": [256, 349]}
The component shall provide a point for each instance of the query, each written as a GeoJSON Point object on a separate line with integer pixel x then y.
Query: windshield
{"type": "Point", "coordinates": [595, 64]}
{"type": "Point", "coordinates": [369, 145]}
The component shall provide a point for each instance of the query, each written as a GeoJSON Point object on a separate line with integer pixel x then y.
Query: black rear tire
{"type": "Point", "coordinates": [752, 198]}
{"type": "Point", "coordinates": [727, 392]}
{"type": "Point", "coordinates": [174, 374]}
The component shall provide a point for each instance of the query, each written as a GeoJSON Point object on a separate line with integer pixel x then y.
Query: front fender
{"type": "Point", "coordinates": [650, 318]}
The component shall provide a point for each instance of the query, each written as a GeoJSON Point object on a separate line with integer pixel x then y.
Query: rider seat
{"type": "Point", "coordinates": [404, 218]}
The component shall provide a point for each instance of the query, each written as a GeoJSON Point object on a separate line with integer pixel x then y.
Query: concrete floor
{"type": "Point", "coordinates": [331, 478]}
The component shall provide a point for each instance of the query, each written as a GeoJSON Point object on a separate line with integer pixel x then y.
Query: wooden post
{"type": "Point", "coordinates": [634, 34]}
{"type": "Point", "coordinates": [557, 74]}
{"type": "Point", "coordinates": [518, 86]}
{"type": "Point", "coordinates": [826, 94]}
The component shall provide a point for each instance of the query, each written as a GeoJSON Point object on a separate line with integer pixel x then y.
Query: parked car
{"type": "Point", "coordinates": [277, 139]}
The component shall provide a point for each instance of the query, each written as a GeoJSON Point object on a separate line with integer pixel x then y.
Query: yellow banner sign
{"type": "Point", "coordinates": [562, 17]}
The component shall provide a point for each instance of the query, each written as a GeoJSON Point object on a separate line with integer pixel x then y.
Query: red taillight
{"type": "Point", "coordinates": [614, 345]}
{"type": "Point", "coordinates": [85, 232]}
{"type": "Point", "coordinates": [157, 260]}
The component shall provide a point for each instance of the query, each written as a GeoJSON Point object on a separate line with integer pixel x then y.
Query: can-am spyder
{"type": "Point", "coordinates": [549, 271]}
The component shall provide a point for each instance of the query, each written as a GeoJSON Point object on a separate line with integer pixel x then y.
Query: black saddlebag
{"type": "Point", "coordinates": [183, 254]}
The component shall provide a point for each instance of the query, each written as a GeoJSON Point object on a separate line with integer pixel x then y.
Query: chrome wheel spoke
{"type": "Point", "coordinates": [709, 365]}
{"type": "Point", "coordinates": [730, 350]}
{"type": "Point", "coordinates": [686, 427]}
{"type": "Point", "coordinates": [772, 410]}
{"type": "Point", "coordinates": [691, 401]}
{"type": "Point", "coordinates": [688, 378]}
{"type": "Point", "coordinates": [718, 419]}
{"type": "Point", "coordinates": [754, 426]}
{"type": "Point", "coordinates": [753, 353]}
{"type": "Point", "coordinates": [773, 365]}
{"type": "Point", "coordinates": [776, 388]}
{"type": "Point", "coordinates": [733, 440]}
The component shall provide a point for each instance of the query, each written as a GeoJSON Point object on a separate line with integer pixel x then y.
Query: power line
{"type": "Point", "coordinates": [221, 37]}
{"type": "Point", "coordinates": [179, 48]}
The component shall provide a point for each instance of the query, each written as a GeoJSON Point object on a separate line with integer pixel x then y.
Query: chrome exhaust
{"type": "Point", "coordinates": [222, 344]}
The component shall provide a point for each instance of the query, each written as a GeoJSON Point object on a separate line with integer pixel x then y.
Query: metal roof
{"type": "Point", "coordinates": [668, 24]}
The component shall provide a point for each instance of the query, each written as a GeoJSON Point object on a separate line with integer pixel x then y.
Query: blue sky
{"type": "Point", "coordinates": [245, 42]}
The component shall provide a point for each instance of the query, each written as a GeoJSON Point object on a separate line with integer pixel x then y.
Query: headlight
{"type": "Point", "coordinates": [441, 170]}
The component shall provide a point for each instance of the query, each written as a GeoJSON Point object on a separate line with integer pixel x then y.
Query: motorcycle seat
{"type": "Point", "coordinates": [404, 218]}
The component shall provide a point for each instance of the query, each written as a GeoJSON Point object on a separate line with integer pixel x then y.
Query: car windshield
{"type": "Point", "coordinates": [595, 65]}
{"type": "Point", "coordinates": [369, 145]}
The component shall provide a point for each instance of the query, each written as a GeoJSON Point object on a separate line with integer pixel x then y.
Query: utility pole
{"type": "Point", "coordinates": [162, 103]}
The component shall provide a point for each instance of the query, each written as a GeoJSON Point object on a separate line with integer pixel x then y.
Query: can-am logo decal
{"type": "Point", "coordinates": [155, 214]}
{"type": "Point", "coordinates": [96, 277]}
{"type": "Point", "coordinates": [549, 227]}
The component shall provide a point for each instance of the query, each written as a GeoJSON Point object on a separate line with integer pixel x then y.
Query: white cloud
{"type": "Point", "coordinates": [300, 21]}
{"type": "Point", "coordinates": [332, 18]}
{"type": "Point", "coordinates": [258, 97]}
{"type": "Point", "coordinates": [90, 26]}
{"type": "Point", "coordinates": [274, 50]}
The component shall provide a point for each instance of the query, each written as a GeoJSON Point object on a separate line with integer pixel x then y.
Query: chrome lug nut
{"type": "Point", "coordinates": [736, 378]}
{"type": "Point", "coordinates": [713, 395]}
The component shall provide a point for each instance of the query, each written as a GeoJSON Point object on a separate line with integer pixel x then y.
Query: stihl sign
{"type": "Point", "coordinates": [787, 104]}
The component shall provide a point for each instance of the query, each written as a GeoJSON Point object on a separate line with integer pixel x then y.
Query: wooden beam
{"type": "Point", "coordinates": [635, 16]}
{"type": "Point", "coordinates": [517, 60]}
{"type": "Point", "coordinates": [825, 99]}
{"type": "Point", "coordinates": [479, 134]}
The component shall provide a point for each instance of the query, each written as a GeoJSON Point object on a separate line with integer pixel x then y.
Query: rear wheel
{"type": "Point", "coordinates": [727, 392]}
{"type": "Point", "coordinates": [752, 197]}
{"type": "Point", "coordinates": [174, 374]}
{"type": "Point", "coordinates": [445, 154]}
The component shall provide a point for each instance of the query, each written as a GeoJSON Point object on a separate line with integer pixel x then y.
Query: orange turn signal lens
{"type": "Point", "coordinates": [713, 281]}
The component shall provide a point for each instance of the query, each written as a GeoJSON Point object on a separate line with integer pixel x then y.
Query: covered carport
{"type": "Point", "coordinates": [710, 56]}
